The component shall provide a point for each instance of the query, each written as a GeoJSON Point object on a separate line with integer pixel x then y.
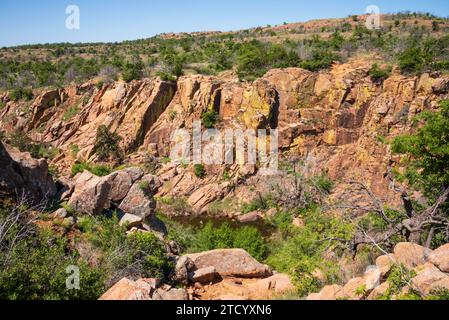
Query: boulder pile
{"type": "Point", "coordinates": [425, 272]}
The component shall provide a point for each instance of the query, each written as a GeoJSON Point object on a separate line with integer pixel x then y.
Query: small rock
{"type": "Point", "coordinates": [298, 222]}
{"type": "Point", "coordinates": [379, 291]}
{"type": "Point", "coordinates": [332, 292]}
{"type": "Point", "coordinates": [183, 267]}
{"type": "Point", "coordinates": [69, 222]}
{"type": "Point", "coordinates": [174, 294]}
{"type": "Point", "coordinates": [372, 277]}
{"type": "Point", "coordinates": [249, 217]}
{"type": "Point", "coordinates": [385, 262]}
{"type": "Point", "coordinates": [60, 213]}
{"type": "Point", "coordinates": [130, 220]}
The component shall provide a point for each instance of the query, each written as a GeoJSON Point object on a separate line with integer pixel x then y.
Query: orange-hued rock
{"type": "Point", "coordinates": [440, 258]}
{"type": "Point", "coordinates": [334, 117]}
{"type": "Point", "coordinates": [411, 254]}
{"type": "Point", "coordinates": [127, 289]}
{"type": "Point", "coordinates": [231, 263]}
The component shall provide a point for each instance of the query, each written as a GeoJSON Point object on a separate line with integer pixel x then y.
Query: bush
{"type": "Point", "coordinates": [36, 266]}
{"type": "Point", "coordinates": [262, 202]}
{"type": "Point", "coordinates": [299, 251]}
{"type": "Point", "coordinates": [21, 93]}
{"type": "Point", "coordinates": [21, 141]}
{"type": "Point", "coordinates": [251, 61]}
{"type": "Point", "coordinates": [139, 255]}
{"type": "Point", "coordinates": [411, 60]}
{"type": "Point", "coordinates": [107, 144]}
{"type": "Point", "coordinates": [199, 171]}
{"type": "Point", "coordinates": [225, 237]}
{"type": "Point", "coordinates": [98, 170]}
{"type": "Point", "coordinates": [209, 118]}
{"type": "Point", "coordinates": [428, 149]}
{"type": "Point", "coordinates": [323, 183]}
{"type": "Point", "coordinates": [378, 74]}
{"type": "Point", "coordinates": [321, 59]}
{"type": "Point", "coordinates": [132, 71]}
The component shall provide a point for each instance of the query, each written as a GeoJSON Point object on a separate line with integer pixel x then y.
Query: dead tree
{"type": "Point", "coordinates": [413, 225]}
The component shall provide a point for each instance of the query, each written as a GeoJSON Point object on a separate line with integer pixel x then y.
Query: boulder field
{"type": "Point", "coordinates": [424, 271]}
{"type": "Point", "coordinates": [226, 274]}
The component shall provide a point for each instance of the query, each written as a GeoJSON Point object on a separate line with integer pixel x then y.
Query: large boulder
{"type": "Point", "coordinates": [440, 258]}
{"type": "Point", "coordinates": [430, 278]}
{"type": "Point", "coordinates": [231, 263]}
{"type": "Point", "coordinates": [21, 174]}
{"type": "Point", "coordinates": [411, 255]}
{"type": "Point", "coordinates": [122, 181]}
{"type": "Point", "coordinates": [139, 201]}
{"type": "Point", "coordinates": [91, 194]}
{"type": "Point", "coordinates": [278, 283]}
{"type": "Point", "coordinates": [204, 275]}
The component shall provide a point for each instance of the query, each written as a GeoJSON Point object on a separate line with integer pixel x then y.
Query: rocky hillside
{"type": "Point", "coordinates": [87, 175]}
{"type": "Point", "coordinates": [337, 121]}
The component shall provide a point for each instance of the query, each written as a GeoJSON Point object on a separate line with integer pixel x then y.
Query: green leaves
{"type": "Point", "coordinates": [224, 237]}
{"type": "Point", "coordinates": [427, 151]}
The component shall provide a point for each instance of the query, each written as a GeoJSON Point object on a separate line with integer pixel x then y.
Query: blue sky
{"type": "Point", "coordinates": [43, 21]}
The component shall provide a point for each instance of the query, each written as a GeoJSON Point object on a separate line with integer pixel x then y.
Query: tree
{"type": "Point", "coordinates": [428, 151]}
{"type": "Point", "coordinates": [427, 155]}
{"type": "Point", "coordinates": [132, 71]}
{"type": "Point", "coordinates": [250, 61]}
{"type": "Point", "coordinates": [107, 144]}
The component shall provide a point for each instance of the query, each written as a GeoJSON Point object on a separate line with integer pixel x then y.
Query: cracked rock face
{"type": "Point", "coordinates": [21, 174]}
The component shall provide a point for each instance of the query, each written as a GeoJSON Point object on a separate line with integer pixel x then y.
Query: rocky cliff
{"type": "Point", "coordinates": [336, 121]}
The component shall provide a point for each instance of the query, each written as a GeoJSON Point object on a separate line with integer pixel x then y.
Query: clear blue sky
{"type": "Point", "coordinates": [42, 21]}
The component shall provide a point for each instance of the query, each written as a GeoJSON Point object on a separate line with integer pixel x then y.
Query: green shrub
{"type": "Point", "coordinates": [224, 237]}
{"type": "Point", "coordinates": [411, 60]}
{"type": "Point", "coordinates": [148, 249]}
{"type": "Point", "coordinates": [21, 141]}
{"type": "Point", "coordinates": [98, 170]}
{"type": "Point", "coordinates": [107, 144]}
{"type": "Point", "coordinates": [70, 113]}
{"type": "Point", "coordinates": [132, 71]}
{"type": "Point", "coordinates": [251, 61]}
{"type": "Point", "coordinates": [428, 149]}
{"type": "Point", "coordinates": [144, 185]}
{"type": "Point", "coordinates": [299, 251]}
{"type": "Point", "coordinates": [209, 118]}
{"type": "Point", "coordinates": [378, 74]}
{"type": "Point", "coordinates": [36, 270]}
{"type": "Point", "coordinates": [323, 183]}
{"type": "Point", "coordinates": [139, 255]}
{"type": "Point", "coordinates": [21, 93]}
{"type": "Point", "coordinates": [321, 59]}
{"type": "Point", "coordinates": [199, 171]}
{"type": "Point", "coordinates": [262, 202]}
